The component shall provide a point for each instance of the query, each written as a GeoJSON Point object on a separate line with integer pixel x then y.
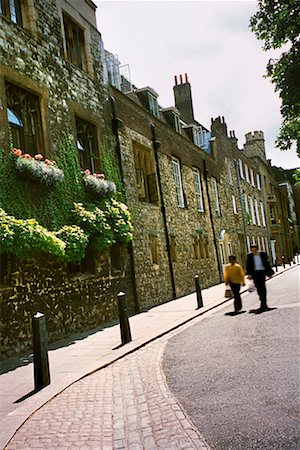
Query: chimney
{"type": "Point", "coordinates": [183, 99]}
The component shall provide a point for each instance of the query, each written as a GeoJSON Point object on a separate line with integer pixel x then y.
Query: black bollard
{"type": "Point", "coordinates": [283, 262]}
{"type": "Point", "coordinates": [123, 316]}
{"type": "Point", "coordinates": [40, 351]}
{"type": "Point", "coordinates": [198, 292]}
{"type": "Point", "coordinates": [276, 267]}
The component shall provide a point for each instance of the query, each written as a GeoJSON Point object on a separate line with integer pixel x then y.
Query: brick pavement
{"type": "Point", "coordinates": [126, 405]}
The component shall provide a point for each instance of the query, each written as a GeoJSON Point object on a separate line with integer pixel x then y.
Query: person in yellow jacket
{"type": "Point", "coordinates": [235, 277]}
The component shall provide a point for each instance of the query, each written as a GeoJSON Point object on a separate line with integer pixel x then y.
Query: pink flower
{"type": "Point", "coordinates": [87, 172]}
{"type": "Point", "coordinates": [27, 156]}
{"type": "Point", "coordinates": [38, 157]}
{"type": "Point", "coordinates": [17, 151]}
{"type": "Point", "coordinates": [49, 162]}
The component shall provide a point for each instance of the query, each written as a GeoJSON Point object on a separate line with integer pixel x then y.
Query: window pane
{"type": "Point", "coordinates": [178, 183]}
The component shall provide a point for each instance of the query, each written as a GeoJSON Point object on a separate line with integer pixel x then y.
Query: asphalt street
{"type": "Point", "coordinates": [237, 377]}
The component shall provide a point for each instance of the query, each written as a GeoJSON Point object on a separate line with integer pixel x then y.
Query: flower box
{"type": "Point", "coordinates": [37, 169]}
{"type": "Point", "coordinates": [97, 185]}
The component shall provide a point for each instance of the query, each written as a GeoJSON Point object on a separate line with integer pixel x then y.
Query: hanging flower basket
{"type": "Point", "coordinates": [97, 185]}
{"type": "Point", "coordinates": [37, 168]}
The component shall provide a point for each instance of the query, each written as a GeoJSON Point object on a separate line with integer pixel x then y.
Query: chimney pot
{"type": "Point", "coordinates": [175, 80]}
{"type": "Point", "coordinates": [186, 78]}
{"type": "Point", "coordinates": [181, 79]}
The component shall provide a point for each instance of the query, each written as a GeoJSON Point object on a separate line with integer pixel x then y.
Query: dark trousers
{"type": "Point", "coordinates": [259, 278]}
{"type": "Point", "coordinates": [237, 297]}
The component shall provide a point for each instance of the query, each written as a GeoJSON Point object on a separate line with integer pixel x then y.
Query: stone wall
{"type": "Point", "coordinates": [71, 304]}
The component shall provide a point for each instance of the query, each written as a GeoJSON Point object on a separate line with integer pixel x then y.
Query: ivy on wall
{"type": "Point", "coordinates": [63, 219]}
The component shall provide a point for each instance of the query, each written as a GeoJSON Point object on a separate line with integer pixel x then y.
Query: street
{"type": "Point", "coordinates": [237, 377]}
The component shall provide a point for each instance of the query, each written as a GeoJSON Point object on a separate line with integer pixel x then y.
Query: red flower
{"type": "Point", "coordinates": [38, 157]}
{"type": "Point", "coordinates": [17, 151]}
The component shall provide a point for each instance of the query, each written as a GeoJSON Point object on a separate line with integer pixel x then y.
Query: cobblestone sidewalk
{"type": "Point", "coordinates": [124, 406]}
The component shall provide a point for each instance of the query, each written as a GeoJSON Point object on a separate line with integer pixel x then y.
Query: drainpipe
{"type": "Point", "coordinates": [156, 145]}
{"type": "Point", "coordinates": [212, 223]}
{"type": "Point", "coordinates": [241, 202]}
{"type": "Point", "coordinates": [116, 125]}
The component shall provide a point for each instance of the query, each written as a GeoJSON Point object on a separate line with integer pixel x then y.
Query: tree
{"type": "Point", "coordinates": [277, 23]}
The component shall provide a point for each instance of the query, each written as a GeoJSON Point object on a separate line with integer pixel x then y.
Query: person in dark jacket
{"type": "Point", "coordinates": [257, 268]}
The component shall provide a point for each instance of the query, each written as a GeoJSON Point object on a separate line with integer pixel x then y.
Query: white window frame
{"type": "Point", "coordinates": [263, 247]}
{"type": "Point", "coordinates": [216, 195]}
{"type": "Point", "coordinates": [263, 219]}
{"type": "Point", "coordinates": [178, 182]}
{"type": "Point", "coordinates": [177, 123]}
{"type": "Point", "coordinates": [248, 243]}
{"type": "Point", "coordinates": [234, 205]}
{"type": "Point", "coordinates": [258, 181]}
{"type": "Point", "coordinates": [246, 204]}
{"type": "Point", "coordinates": [252, 177]}
{"type": "Point", "coordinates": [247, 173]}
{"type": "Point", "coordinates": [198, 189]}
{"type": "Point", "coordinates": [253, 240]}
{"type": "Point", "coordinates": [258, 243]}
{"type": "Point", "coordinates": [257, 212]}
{"type": "Point", "coordinates": [222, 251]}
{"type": "Point", "coordinates": [241, 168]}
{"type": "Point", "coordinates": [230, 179]}
{"type": "Point", "coordinates": [252, 210]}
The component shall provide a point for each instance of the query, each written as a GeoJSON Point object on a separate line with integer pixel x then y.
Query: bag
{"type": "Point", "coordinates": [228, 293]}
{"type": "Point", "coordinates": [251, 287]}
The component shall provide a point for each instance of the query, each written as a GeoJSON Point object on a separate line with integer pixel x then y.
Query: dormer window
{"type": "Point", "coordinates": [12, 10]}
{"type": "Point", "coordinates": [177, 124]}
{"type": "Point", "coordinates": [153, 106]}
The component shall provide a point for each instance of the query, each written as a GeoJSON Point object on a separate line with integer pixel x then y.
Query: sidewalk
{"type": "Point", "coordinates": [71, 360]}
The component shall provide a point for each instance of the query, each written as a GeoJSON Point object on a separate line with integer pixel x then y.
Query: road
{"type": "Point", "coordinates": [237, 377]}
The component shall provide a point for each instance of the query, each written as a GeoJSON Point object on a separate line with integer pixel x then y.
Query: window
{"type": "Point", "coordinates": [198, 189]}
{"type": "Point", "coordinates": [145, 174]}
{"type": "Point", "coordinates": [258, 182]}
{"type": "Point", "coordinates": [153, 107]}
{"type": "Point", "coordinates": [234, 205]}
{"type": "Point", "coordinates": [258, 243]}
{"type": "Point", "coordinates": [252, 211]}
{"type": "Point", "coordinates": [74, 37]}
{"type": "Point", "coordinates": [248, 243]}
{"type": "Point", "coordinates": [253, 240]}
{"type": "Point", "coordinates": [241, 168]}
{"type": "Point", "coordinates": [257, 212]}
{"type": "Point", "coordinates": [173, 249]}
{"type": "Point", "coordinates": [178, 182]}
{"type": "Point", "coordinates": [177, 125]}
{"type": "Point", "coordinates": [24, 118]}
{"type": "Point", "coordinates": [154, 249]}
{"type": "Point", "coordinates": [229, 174]}
{"type": "Point", "coordinates": [262, 214]}
{"type": "Point", "coordinates": [87, 145]}
{"type": "Point", "coordinates": [222, 252]}
{"type": "Point", "coordinates": [252, 177]}
{"type": "Point", "coordinates": [216, 195]}
{"type": "Point", "coordinates": [246, 204]}
{"type": "Point", "coordinates": [263, 247]}
{"type": "Point", "coordinates": [230, 252]}
{"type": "Point", "coordinates": [266, 245]}
{"type": "Point", "coordinates": [12, 10]}
{"type": "Point", "coordinates": [273, 215]}
{"type": "Point", "coordinates": [247, 173]}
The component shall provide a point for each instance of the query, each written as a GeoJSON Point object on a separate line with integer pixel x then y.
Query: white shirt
{"type": "Point", "coordinates": [258, 264]}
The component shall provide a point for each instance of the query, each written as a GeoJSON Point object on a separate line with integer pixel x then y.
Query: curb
{"type": "Point", "coordinates": [139, 346]}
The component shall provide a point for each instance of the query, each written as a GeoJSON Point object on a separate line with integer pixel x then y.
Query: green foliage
{"type": "Point", "coordinates": [26, 237]}
{"type": "Point", "coordinates": [111, 169]}
{"type": "Point", "coordinates": [106, 224]}
{"type": "Point", "coordinates": [296, 175]}
{"type": "Point", "coordinates": [278, 24]}
{"type": "Point", "coordinates": [76, 241]}
{"type": "Point", "coordinates": [34, 213]}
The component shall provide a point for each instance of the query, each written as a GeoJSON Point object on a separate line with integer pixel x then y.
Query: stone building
{"type": "Point", "coordinates": [194, 196]}
{"type": "Point", "coordinates": [54, 105]}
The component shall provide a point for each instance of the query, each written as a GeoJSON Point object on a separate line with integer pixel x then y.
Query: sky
{"type": "Point", "coordinates": [210, 41]}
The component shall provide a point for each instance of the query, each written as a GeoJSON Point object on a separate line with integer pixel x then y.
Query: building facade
{"type": "Point", "coordinates": [78, 140]}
